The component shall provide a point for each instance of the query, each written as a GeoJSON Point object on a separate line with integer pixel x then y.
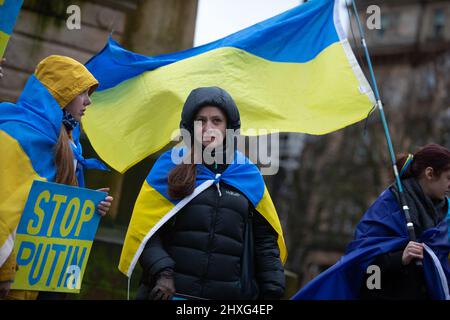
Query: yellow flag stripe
{"type": "Point", "coordinates": [150, 207]}
{"type": "Point", "coordinates": [17, 175]}
{"type": "Point", "coordinates": [268, 211]}
{"type": "Point", "coordinates": [4, 38]}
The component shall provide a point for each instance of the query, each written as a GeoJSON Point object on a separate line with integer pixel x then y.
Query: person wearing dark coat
{"type": "Point", "coordinates": [382, 261]}
{"type": "Point", "coordinates": [426, 182]}
{"type": "Point", "coordinates": [218, 245]}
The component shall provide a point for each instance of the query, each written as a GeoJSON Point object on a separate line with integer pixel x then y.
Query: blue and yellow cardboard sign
{"type": "Point", "coordinates": [54, 237]}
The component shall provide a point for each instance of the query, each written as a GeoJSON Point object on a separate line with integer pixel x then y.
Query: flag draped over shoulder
{"type": "Point", "coordinates": [154, 207]}
{"type": "Point", "coordinates": [382, 229]}
{"type": "Point", "coordinates": [294, 72]}
{"type": "Point", "coordinates": [9, 10]}
{"type": "Point", "coordinates": [29, 131]}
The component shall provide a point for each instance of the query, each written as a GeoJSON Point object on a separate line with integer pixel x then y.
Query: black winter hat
{"type": "Point", "coordinates": [209, 96]}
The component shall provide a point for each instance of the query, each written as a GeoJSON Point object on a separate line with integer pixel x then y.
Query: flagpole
{"type": "Point", "coordinates": [379, 104]}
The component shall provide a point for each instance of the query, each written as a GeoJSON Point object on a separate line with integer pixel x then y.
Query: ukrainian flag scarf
{"type": "Point", "coordinates": [154, 207]}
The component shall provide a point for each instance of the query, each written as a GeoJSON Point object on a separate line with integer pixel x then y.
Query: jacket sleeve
{"type": "Point", "coordinates": [268, 267]}
{"type": "Point", "coordinates": [154, 258]}
{"type": "Point", "coordinates": [390, 262]}
{"type": "Point", "coordinates": [8, 269]}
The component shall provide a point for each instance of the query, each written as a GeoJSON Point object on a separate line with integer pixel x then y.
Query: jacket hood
{"type": "Point", "coordinates": [211, 96]}
{"type": "Point", "coordinates": [35, 122]}
{"type": "Point", "coordinates": [65, 78]}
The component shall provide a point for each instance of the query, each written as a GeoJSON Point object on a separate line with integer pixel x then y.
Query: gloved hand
{"type": "Point", "coordinates": [164, 288]}
{"type": "Point", "coordinates": [5, 286]}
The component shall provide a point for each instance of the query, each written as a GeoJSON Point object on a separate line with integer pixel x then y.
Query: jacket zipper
{"type": "Point", "coordinates": [210, 240]}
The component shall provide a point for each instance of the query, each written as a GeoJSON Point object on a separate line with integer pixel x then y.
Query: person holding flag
{"type": "Point", "coordinates": [407, 269]}
{"type": "Point", "coordinates": [206, 227]}
{"type": "Point", "coordinates": [39, 140]}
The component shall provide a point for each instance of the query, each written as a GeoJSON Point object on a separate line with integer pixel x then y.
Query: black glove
{"type": "Point", "coordinates": [164, 287]}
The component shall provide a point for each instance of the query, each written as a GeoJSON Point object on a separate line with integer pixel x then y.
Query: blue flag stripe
{"type": "Point", "coordinates": [295, 36]}
{"type": "Point", "coordinates": [8, 14]}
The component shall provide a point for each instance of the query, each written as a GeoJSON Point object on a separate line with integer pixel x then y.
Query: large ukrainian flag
{"type": "Point", "coordinates": [9, 9]}
{"type": "Point", "coordinates": [154, 207]}
{"type": "Point", "coordinates": [294, 72]}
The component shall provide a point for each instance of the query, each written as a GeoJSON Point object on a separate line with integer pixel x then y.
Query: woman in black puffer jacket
{"type": "Point", "coordinates": [201, 251]}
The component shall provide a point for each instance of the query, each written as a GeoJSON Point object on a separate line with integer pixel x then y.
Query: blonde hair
{"type": "Point", "coordinates": [65, 169]}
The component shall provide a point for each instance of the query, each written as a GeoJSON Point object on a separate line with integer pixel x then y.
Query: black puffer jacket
{"type": "Point", "coordinates": [203, 244]}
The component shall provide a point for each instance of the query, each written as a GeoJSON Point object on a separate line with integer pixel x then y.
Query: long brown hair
{"type": "Point", "coordinates": [181, 179]}
{"type": "Point", "coordinates": [431, 155]}
{"type": "Point", "coordinates": [65, 169]}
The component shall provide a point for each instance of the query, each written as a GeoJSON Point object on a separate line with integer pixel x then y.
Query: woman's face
{"type": "Point", "coordinates": [210, 124]}
{"type": "Point", "coordinates": [78, 106]}
{"type": "Point", "coordinates": [436, 187]}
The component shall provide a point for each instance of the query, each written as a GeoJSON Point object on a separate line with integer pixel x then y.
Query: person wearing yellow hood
{"type": "Point", "coordinates": [39, 139]}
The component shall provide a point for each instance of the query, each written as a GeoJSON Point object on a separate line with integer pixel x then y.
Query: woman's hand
{"type": "Point", "coordinates": [1, 70]}
{"type": "Point", "coordinates": [164, 287]}
{"type": "Point", "coordinates": [413, 250]}
{"type": "Point", "coordinates": [104, 206]}
{"type": "Point", "coordinates": [5, 286]}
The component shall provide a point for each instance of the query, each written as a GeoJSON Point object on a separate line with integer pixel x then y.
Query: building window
{"type": "Point", "coordinates": [438, 23]}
